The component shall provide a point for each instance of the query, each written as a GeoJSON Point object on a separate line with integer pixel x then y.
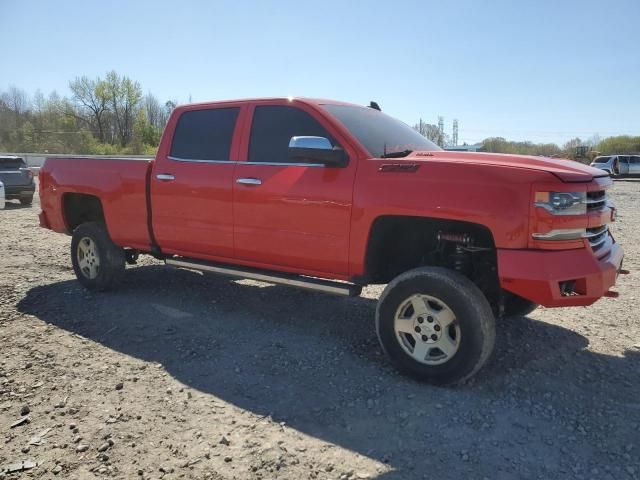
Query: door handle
{"type": "Point", "coordinates": [165, 177]}
{"type": "Point", "coordinates": [249, 181]}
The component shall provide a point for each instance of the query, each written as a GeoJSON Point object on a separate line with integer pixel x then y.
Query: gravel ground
{"type": "Point", "coordinates": [179, 375]}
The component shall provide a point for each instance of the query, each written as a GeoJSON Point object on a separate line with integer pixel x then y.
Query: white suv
{"type": "Point", "coordinates": [618, 164]}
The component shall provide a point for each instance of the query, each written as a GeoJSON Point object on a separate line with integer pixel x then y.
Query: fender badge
{"type": "Point", "coordinates": [399, 167]}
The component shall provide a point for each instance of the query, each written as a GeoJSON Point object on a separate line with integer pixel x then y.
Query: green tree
{"type": "Point", "coordinates": [501, 145]}
{"type": "Point", "coordinates": [124, 96]}
{"type": "Point", "coordinates": [619, 144]}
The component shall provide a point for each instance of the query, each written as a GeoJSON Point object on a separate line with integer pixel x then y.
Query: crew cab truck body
{"type": "Point", "coordinates": [332, 196]}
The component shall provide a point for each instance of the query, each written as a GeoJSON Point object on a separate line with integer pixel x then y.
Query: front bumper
{"type": "Point", "coordinates": [539, 275]}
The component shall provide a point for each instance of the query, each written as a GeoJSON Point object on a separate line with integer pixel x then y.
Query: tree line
{"type": "Point", "coordinates": [103, 116]}
{"type": "Point", "coordinates": [575, 148]}
{"type": "Point", "coordinates": [571, 149]}
{"type": "Point", "coordinates": [110, 115]}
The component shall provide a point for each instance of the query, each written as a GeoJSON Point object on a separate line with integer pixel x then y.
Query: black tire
{"type": "Point", "coordinates": [473, 318]}
{"type": "Point", "coordinates": [26, 200]}
{"type": "Point", "coordinates": [111, 258]}
{"type": "Point", "coordinates": [516, 306]}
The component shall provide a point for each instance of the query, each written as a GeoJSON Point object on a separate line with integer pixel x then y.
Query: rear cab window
{"type": "Point", "coordinates": [204, 135]}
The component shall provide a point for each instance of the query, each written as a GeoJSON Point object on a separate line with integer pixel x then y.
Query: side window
{"type": "Point", "coordinates": [272, 128]}
{"type": "Point", "coordinates": [204, 134]}
{"type": "Point", "coordinates": [635, 160]}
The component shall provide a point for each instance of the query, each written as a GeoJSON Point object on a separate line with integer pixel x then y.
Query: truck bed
{"type": "Point", "coordinates": [120, 183]}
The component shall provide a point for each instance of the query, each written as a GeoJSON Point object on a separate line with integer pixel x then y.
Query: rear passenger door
{"type": "Point", "coordinates": [634, 165]}
{"type": "Point", "coordinates": [291, 216]}
{"type": "Point", "coordinates": [191, 183]}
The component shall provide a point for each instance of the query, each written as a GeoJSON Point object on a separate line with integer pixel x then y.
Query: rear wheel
{"type": "Point", "coordinates": [435, 325]}
{"type": "Point", "coordinates": [97, 262]}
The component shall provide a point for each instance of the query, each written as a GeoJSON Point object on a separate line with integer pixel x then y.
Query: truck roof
{"type": "Point", "coordinates": [313, 101]}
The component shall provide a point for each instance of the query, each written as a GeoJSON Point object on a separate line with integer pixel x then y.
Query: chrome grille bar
{"type": "Point", "coordinates": [598, 237]}
{"type": "Point", "coordinates": [594, 232]}
{"type": "Point", "coordinates": [596, 200]}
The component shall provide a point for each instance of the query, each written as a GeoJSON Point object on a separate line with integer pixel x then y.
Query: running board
{"type": "Point", "coordinates": [292, 280]}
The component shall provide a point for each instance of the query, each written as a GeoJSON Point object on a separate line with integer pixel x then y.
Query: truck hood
{"type": "Point", "coordinates": [565, 170]}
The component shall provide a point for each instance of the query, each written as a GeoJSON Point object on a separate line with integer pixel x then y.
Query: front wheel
{"type": "Point", "coordinates": [26, 200]}
{"type": "Point", "coordinates": [97, 262]}
{"type": "Point", "coordinates": [435, 325]}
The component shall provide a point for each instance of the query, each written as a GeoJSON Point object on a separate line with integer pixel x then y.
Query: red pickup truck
{"type": "Point", "coordinates": [331, 196]}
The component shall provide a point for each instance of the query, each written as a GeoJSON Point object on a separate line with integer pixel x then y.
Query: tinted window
{"type": "Point", "coordinates": [12, 163]}
{"type": "Point", "coordinates": [204, 134]}
{"type": "Point", "coordinates": [601, 159]}
{"type": "Point", "coordinates": [272, 128]}
{"type": "Point", "coordinates": [378, 132]}
{"type": "Point", "coordinates": [635, 159]}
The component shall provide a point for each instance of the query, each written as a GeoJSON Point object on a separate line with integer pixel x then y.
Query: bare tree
{"type": "Point", "coordinates": [169, 106]}
{"type": "Point", "coordinates": [154, 111]}
{"type": "Point", "coordinates": [91, 96]}
{"type": "Point", "coordinates": [430, 131]}
{"type": "Point", "coordinates": [17, 101]}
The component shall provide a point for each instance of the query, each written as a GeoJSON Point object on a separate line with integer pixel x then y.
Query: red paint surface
{"type": "Point", "coordinates": [316, 221]}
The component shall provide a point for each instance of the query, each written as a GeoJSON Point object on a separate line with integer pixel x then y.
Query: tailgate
{"type": "Point", "coordinates": [14, 172]}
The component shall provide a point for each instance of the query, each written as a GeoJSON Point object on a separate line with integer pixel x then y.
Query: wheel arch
{"type": "Point", "coordinates": [397, 243]}
{"type": "Point", "coordinates": [79, 208]}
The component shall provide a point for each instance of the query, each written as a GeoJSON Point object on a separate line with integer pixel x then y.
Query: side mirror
{"type": "Point", "coordinates": [316, 150]}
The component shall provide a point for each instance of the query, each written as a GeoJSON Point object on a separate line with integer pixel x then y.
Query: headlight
{"type": "Point", "coordinates": [562, 203]}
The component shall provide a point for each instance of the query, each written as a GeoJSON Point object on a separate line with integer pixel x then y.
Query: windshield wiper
{"type": "Point", "coordinates": [400, 154]}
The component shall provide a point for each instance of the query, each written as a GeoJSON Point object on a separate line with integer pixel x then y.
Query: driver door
{"type": "Point", "coordinates": [291, 216]}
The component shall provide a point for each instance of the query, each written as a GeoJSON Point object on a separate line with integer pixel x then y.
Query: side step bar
{"type": "Point", "coordinates": [292, 280]}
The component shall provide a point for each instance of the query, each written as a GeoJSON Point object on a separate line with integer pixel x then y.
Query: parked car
{"type": "Point", "coordinates": [17, 179]}
{"type": "Point", "coordinates": [331, 197]}
{"type": "Point", "coordinates": [618, 164]}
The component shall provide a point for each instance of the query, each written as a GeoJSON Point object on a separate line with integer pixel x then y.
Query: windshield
{"type": "Point", "coordinates": [379, 133]}
{"type": "Point", "coordinates": [601, 159]}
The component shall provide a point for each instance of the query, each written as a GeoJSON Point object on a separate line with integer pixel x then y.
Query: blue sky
{"type": "Point", "coordinates": [540, 70]}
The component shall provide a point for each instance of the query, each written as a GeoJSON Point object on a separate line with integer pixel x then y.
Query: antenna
{"type": "Point", "coordinates": [375, 106]}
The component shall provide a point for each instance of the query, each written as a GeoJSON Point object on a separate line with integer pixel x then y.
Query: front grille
{"type": "Point", "coordinates": [596, 200]}
{"type": "Point", "coordinates": [598, 237]}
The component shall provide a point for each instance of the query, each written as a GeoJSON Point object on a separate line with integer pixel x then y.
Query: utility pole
{"type": "Point", "coordinates": [441, 130]}
{"type": "Point", "coordinates": [454, 136]}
